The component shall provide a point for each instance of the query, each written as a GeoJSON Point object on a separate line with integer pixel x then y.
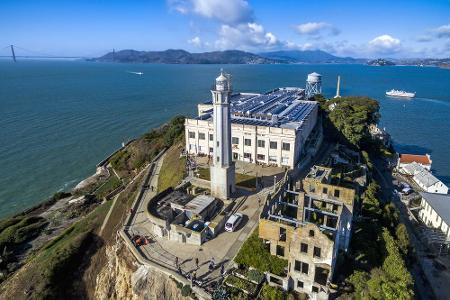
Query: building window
{"type": "Point", "coordinates": [260, 156]}
{"type": "Point", "coordinates": [282, 234]}
{"type": "Point", "coordinates": [273, 145]}
{"type": "Point", "coordinates": [261, 143]}
{"type": "Point", "coordinates": [311, 233]}
{"type": "Point", "coordinates": [211, 150]}
{"type": "Point", "coordinates": [201, 136]}
{"type": "Point", "coordinates": [235, 140]}
{"type": "Point", "coordinates": [300, 284]}
{"type": "Point", "coordinates": [191, 147]}
{"type": "Point", "coordinates": [247, 142]}
{"type": "Point", "coordinates": [191, 135]}
{"type": "Point", "coordinates": [305, 268]}
{"type": "Point", "coordinates": [315, 289]}
{"type": "Point", "coordinates": [337, 193]}
{"type": "Point", "coordinates": [235, 155]}
{"type": "Point", "coordinates": [247, 155]}
{"type": "Point", "coordinates": [218, 159]}
{"type": "Point", "coordinates": [301, 267]}
{"type": "Point", "coordinates": [211, 137]}
{"type": "Point", "coordinates": [201, 149]}
{"type": "Point", "coordinates": [280, 250]}
{"type": "Point", "coordinates": [272, 159]}
{"type": "Point", "coordinates": [297, 266]}
{"type": "Point", "coordinates": [325, 190]}
{"type": "Point", "coordinates": [304, 248]}
{"type": "Point", "coordinates": [286, 147]}
{"type": "Point", "coordinates": [284, 160]}
{"type": "Point", "coordinates": [317, 251]}
{"type": "Point", "coordinates": [218, 143]}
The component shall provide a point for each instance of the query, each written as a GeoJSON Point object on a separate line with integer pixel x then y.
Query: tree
{"type": "Point", "coordinates": [351, 117]}
{"type": "Point", "coordinates": [402, 238]}
{"type": "Point", "coordinates": [390, 215]}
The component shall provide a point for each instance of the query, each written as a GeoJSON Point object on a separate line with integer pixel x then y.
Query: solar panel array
{"type": "Point", "coordinates": [276, 108]}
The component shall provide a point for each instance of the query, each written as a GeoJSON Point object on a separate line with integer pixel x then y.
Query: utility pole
{"type": "Point", "coordinates": [13, 54]}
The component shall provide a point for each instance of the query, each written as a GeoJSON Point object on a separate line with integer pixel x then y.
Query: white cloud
{"type": "Point", "coordinates": [385, 44]}
{"type": "Point", "coordinates": [443, 31]}
{"type": "Point", "coordinates": [226, 11]}
{"type": "Point", "coordinates": [245, 36]}
{"type": "Point", "coordinates": [195, 41]}
{"type": "Point", "coordinates": [316, 29]}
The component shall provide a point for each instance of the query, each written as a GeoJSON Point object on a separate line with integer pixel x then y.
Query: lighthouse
{"type": "Point", "coordinates": [222, 169]}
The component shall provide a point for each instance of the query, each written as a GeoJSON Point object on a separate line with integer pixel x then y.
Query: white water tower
{"type": "Point", "coordinates": [313, 85]}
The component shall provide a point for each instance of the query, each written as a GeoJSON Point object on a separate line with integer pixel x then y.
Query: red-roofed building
{"type": "Point", "coordinates": [423, 160]}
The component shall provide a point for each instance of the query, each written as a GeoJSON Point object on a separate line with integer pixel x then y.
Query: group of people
{"type": "Point", "coordinates": [193, 276]}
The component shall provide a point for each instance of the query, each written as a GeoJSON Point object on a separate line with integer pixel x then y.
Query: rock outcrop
{"type": "Point", "coordinates": [123, 278]}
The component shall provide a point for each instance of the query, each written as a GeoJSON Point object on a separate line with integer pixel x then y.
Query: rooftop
{"type": "Point", "coordinates": [440, 203]}
{"type": "Point", "coordinates": [282, 107]}
{"type": "Point", "coordinates": [421, 159]}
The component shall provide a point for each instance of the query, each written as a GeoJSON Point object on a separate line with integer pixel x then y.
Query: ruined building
{"type": "Point", "coordinates": [309, 224]}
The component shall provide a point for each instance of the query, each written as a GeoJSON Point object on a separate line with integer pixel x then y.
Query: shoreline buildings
{"type": "Point", "coordinates": [270, 128]}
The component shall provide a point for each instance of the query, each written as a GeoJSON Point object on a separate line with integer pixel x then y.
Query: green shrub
{"type": "Point", "coordinates": [186, 291]}
{"type": "Point", "coordinates": [254, 254]}
{"type": "Point", "coordinates": [271, 293]}
{"type": "Point", "coordinates": [19, 232]}
{"type": "Point", "coordinates": [255, 275]}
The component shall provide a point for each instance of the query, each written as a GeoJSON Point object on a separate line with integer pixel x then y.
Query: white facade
{"type": "Point", "coordinates": [435, 212]}
{"type": "Point", "coordinates": [222, 169]}
{"type": "Point", "coordinates": [253, 140]}
{"type": "Point", "coordinates": [424, 179]}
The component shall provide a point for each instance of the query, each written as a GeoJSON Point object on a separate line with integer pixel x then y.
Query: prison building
{"type": "Point", "coordinates": [309, 225]}
{"type": "Point", "coordinates": [269, 128]}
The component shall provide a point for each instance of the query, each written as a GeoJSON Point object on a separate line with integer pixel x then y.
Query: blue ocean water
{"type": "Point", "coordinates": [58, 119]}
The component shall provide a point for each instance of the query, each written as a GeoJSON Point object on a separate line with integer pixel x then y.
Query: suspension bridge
{"type": "Point", "coordinates": [15, 52]}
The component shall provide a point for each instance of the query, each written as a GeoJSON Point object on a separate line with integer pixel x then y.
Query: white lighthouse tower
{"type": "Point", "coordinates": [222, 170]}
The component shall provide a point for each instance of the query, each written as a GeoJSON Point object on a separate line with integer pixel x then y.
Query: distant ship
{"type": "Point", "coordinates": [137, 73]}
{"type": "Point", "coordinates": [397, 93]}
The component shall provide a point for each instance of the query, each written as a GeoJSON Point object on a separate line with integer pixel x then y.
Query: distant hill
{"type": "Point", "coordinates": [380, 62]}
{"type": "Point", "coordinates": [310, 57]}
{"type": "Point", "coordinates": [172, 56]}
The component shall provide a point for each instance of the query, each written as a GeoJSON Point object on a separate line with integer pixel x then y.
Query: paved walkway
{"type": "Point", "coordinates": [222, 248]}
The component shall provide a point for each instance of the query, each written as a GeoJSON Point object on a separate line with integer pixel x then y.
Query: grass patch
{"type": "Point", "coordinates": [111, 184]}
{"type": "Point", "coordinates": [20, 229]}
{"type": "Point", "coordinates": [50, 272]}
{"type": "Point", "coordinates": [173, 169]}
{"type": "Point", "coordinates": [243, 180]}
{"type": "Point", "coordinates": [255, 254]}
{"type": "Point", "coordinates": [129, 160]}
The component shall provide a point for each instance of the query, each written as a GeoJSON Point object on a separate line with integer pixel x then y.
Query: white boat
{"type": "Point", "coordinates": [397, 93]}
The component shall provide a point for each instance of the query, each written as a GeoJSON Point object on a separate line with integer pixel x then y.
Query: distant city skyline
{"type": "Point", "coordinates": [397, 29]}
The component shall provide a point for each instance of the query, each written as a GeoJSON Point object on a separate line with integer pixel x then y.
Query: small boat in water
{"type": "Point", "coordinates": [397, 93]}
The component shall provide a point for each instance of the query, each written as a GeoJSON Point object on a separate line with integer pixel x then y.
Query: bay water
{"type": "Point", "coordinates": [58, 119]}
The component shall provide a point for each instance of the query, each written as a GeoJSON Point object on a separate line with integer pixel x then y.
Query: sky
{"type": "Point", "coordinates": [368, 29]}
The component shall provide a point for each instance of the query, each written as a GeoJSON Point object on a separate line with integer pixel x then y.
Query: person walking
{"type": "Point", "coordinates": [176, 261]}
{"type": "Point", "coordinates": [196, 262]}
{"type": "Point", "coordinates": [222, 270]}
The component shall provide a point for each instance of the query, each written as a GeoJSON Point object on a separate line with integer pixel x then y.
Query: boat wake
{"type": "Point", "coordinates": [136, 73]}
{"type": "Point", "coordinates": [437, 101]}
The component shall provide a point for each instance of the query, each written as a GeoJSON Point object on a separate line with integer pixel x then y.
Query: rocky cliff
{"type": "Point", "coordinates": [122, 278]}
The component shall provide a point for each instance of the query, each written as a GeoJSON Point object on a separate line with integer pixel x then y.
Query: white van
{"type": "Point", "coordinates": [233, 222]}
